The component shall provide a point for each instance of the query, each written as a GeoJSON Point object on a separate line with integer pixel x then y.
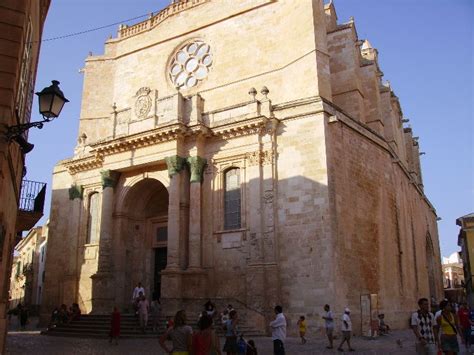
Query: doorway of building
{"type": "Point", "coordinates": [160, 265]}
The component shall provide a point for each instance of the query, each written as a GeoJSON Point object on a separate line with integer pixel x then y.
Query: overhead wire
{"type": "Point", "coordinates": [93, 29]}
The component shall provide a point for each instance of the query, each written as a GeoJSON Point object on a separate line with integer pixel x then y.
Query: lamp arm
{"type": "Point", "coordinates": [17, 130]}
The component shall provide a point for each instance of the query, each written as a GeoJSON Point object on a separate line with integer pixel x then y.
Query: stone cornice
{"type": "Point", "coordinates": [82, 164]}
{"type": "Point", "coordinates": [240, 128]}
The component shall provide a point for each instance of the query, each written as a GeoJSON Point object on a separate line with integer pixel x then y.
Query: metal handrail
{"type": "Point", "coordinates": [32, 196]}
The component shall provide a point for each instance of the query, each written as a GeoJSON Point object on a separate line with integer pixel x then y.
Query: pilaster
{"type": "Point", "coordinates": [197, 165]}
{"type": "Point", "coordinates": [103, 281]}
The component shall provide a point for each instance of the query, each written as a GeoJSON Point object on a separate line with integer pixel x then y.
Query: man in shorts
{"type": "Point", "coordinates": [424, 326]}
{"type": "Point", "coordinates": [329, 325]}
{"type": "Point", "coordinates": [346, 330]}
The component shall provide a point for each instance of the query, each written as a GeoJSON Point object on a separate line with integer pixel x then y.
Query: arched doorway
{"type": "Point", "coordinates": [145, 235]}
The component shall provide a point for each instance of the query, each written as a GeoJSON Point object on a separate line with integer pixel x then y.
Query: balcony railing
{"type": "Point", "coordinates": [31, 204]}
{"type": "Point", "coordinates": [32, 196]}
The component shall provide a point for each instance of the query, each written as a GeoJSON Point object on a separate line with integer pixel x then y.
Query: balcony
{"type": "Point", "coordinates": [31, 204]}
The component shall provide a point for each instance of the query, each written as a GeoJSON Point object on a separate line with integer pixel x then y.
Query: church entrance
{"type": "Point", "coordinates": [160, 265]}
{"type": "Point", "coordinates": [146, 238]}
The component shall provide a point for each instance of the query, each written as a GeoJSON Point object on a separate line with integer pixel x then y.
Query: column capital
{"type": "Point", "coordinates": [76, 191]}
{"type": "Point", "coordinates": [175, 164]}
{"type": "Point", "coordinates": [197, 165]}
{"type": "Point", "coordinates": [109, 178]}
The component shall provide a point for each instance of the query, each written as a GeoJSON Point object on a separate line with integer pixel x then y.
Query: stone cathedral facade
{"type": "Point", "coordinates": [248, 152]}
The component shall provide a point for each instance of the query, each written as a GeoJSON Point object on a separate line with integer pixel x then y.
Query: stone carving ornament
{"type": "Point", "coordinates": [143, 103]}
{"type": "Point", "coordinates": [190, 64]}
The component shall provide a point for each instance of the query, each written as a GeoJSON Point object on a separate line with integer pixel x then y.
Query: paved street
{"type": "Point", "coordinates": [31, 342]}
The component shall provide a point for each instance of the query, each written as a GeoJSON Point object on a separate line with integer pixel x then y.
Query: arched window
{"type": "Point", "coordinates": [93, 219]}
{"type": "Point", "coordinates": [232, 199]}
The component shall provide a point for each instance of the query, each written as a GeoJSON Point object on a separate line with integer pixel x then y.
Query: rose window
{"type": "Point", "coordinates": [190, 64]}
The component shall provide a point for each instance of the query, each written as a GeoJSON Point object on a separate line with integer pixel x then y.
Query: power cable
{"type": "Point", "coordinates": [93, 29]}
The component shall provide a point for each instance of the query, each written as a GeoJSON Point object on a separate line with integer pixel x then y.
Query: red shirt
{"type": "Point", "coordinates": [463, 315]}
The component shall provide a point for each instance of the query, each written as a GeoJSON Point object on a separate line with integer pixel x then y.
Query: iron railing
{"type": "Point", "coordinates": [32, 196]}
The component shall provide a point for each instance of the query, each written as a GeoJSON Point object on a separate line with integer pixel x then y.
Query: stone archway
{"type": "Point", "coordinates": [143, 213]}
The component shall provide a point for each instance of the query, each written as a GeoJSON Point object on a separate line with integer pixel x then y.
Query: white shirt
{"type": "Point", "coordinates": [347, 319]}
{"type": "Point", "coordinates": [279, 327]}
{"type": "Point", "coordinates": [329, 323]}
{"type": "Point", "coordinates": [137, 291]}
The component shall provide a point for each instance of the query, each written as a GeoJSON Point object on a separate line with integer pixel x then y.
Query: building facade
{"type": "Point", "coordinates": [21, 23]}
{"type": "Point", "coordinates": [26, 282]}
{"type": "Point", "coordinates": [453, 278]}
{"type": "Point", "coordinates": [221, 155]}
{"type": "Point", "coordinates": [466, 242]}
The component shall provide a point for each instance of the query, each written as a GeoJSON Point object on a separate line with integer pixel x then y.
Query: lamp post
{"type": "Point", "coordinates": [51, 102]}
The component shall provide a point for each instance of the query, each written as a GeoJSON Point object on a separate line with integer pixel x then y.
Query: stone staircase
{"type": "Point", "coordinates": [98, 326]}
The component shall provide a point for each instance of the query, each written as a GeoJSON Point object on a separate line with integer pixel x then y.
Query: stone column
{"type": "Point", "coordinates": [109, 180]}
{"type": "Point", "coordinates": [103, 281]}
{"type": "Point", "coordinates": [196, 165]}
{"type": "Point", "coordinates": [72, 273]}
{"type": "Point", "coordinates": [175, 165]}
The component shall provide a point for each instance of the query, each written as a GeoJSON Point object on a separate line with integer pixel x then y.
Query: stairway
{"type": "Point", "coordinates": [98, 326]}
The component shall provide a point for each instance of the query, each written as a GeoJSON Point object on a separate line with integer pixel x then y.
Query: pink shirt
{"type": "Point", "coordinates": [143, 306]}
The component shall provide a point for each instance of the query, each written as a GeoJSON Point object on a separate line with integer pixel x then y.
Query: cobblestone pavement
{"type": "Point", "coordinates": [31, 342]}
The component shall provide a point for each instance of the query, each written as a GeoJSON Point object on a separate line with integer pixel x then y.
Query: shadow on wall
{"type": "Point", "coordinates": [265, 241]}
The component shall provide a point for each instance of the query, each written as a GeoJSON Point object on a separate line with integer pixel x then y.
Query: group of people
{"type": "Point", "coordinates": [143, 309]}
{"type": "Point", "coordinates": [439, 332]}
{"type": "Point", "coordinates": [64, 315]}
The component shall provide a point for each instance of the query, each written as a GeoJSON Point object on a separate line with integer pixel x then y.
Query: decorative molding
{"type": "Point", "coordinates": [76, 191]}
{"type": "Point", "coordinates": [155, 20]}
{"type": "Point", "coordinates": [240, 128]}
{"type": "Point", "coordinates": [175, 164]}
{"type": "Point", "coordinates": [143, 102]}
{"type": "Point", "coordinates": [260, 158]}
{"type": "Point", "coordinates": [109, 178]}
{"type": "Point", "coordinates": [197, 165]}
{"type": "Point", "coordinates": [84, 164]}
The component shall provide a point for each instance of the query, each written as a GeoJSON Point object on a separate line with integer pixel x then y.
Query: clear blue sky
{"type": "Point", "coordinates": [425, 51]}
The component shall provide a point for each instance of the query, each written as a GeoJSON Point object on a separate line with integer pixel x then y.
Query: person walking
{"type": "Point", "coordinates": [115, 326]}
{"type": "Point", "coordinates": [302, 328]}
{"type": "Point", "coordinates": [465, 323]}
{"type": "Point", "coordinates": [329, 325]}
{"type": "Point", "coordinates": [278, 327]}
{"type": "Point", "coordinates": [346, 330]}
{"type": "Point", "coordinates": [205, 340]}
{"type": "Point", "coordinates": [448, 329]}
{"type": "Point", "coordinates": [143, 309]}
{"type": "Point", "coordinates": [181, 336]}
{"type": "Point", "coordinates": [424, 328]}
{"type": "Point", "coordinates": [155, 313]}
{"type": "Point", "coordinates": [23, 315]}
{"type": "Point", "coordinates": [231, 330]}
{"type": "Point", "coordinates": [136, 296]}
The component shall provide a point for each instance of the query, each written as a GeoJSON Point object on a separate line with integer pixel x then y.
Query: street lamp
{"type": "Point", "coordinates": [51, 101]}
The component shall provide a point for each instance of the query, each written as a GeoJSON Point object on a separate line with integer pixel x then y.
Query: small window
{"type": "Point", "coordinates": [162, 234]}
{"type": "Point", "coordinates": [93, 219]}
{"type": "Point", "coordinates": [232, 199]}
{"type": "Point", "coordinates": [42, 254]}
{"type": "Point", "coordinates": [43, 275]}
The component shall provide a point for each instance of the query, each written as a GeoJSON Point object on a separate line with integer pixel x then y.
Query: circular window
{"type": "Point", "coordinates": [190, 64]}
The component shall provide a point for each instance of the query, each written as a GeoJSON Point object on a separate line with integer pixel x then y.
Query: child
{"type": "Point", "coordinates": [169, 322]}
{"type": "Point", "coordinates": [241, 345]}
{"type": "Point", "coordinates": [251, 348]}
{"type": "Point", "coordinates": [115, 326]}
{"type": "Point", "coordinates": [302, 328]}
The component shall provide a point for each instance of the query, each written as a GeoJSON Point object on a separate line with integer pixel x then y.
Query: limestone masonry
{"type": "Point", "coordinates": [248, 152]}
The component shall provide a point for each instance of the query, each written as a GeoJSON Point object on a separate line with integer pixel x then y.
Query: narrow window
{"type": "Point", "coordinates": [93, 220]}
{"type": "Point", "coordinates": [232, 199]}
